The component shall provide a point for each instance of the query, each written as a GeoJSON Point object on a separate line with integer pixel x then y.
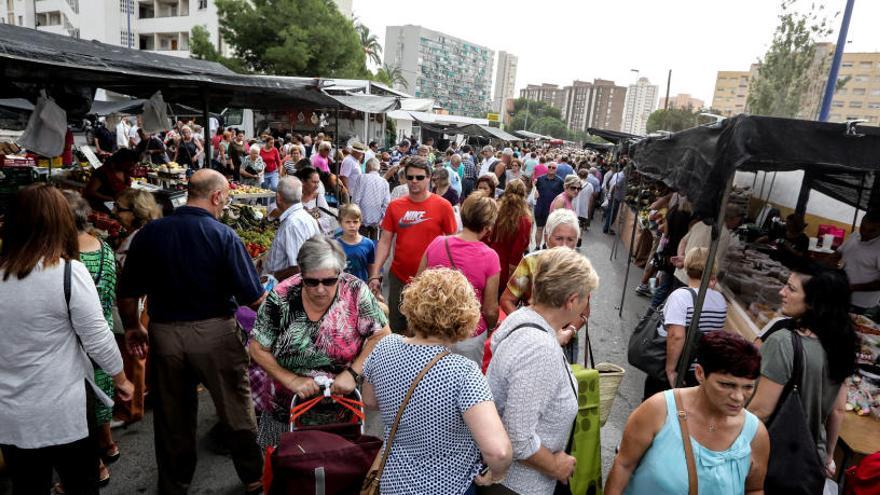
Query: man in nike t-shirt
{"type": "Point", "coordinates": [411, 222]}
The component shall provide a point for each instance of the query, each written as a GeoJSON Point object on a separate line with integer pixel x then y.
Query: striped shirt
{"type": "Point", "coordinates": [679, 310]}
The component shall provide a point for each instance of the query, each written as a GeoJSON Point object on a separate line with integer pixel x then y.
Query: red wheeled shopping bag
{"type": "Point", "coordinates": [326, 459]}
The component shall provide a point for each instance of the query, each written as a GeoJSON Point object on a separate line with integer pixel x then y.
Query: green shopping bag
{"type": "Point", "coordinates": [587, 478]}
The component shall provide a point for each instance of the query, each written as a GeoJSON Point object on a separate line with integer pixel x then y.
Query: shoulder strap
{"type": "Point", "coordinates": [449, 253]}
{"type": "Point", "coordinates": [797, 368]}
{"type": "Point", "coordinates": [688, 448]}
{"type": "Point", "coordinates": [409, 393]}
{"type": "Point", "coordinates": [67, 284]}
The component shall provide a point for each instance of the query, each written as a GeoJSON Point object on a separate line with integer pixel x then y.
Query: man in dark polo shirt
{"type": "Point", "coordinates": [195, 272]}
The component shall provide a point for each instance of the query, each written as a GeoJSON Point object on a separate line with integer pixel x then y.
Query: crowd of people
{"type": "Point", "coordinates": [429, 262]}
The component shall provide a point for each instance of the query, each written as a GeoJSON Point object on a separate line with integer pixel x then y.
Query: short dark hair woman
{"type": "Point", "coordinates": [730, 444]}
{"type": "Point", "coordinates": [43, 371]}
{"type": "Point", "coordinates": [817, 307]}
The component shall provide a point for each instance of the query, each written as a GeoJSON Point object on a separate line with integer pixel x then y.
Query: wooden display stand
{"type": "Point", "coordinates": [625, 222]}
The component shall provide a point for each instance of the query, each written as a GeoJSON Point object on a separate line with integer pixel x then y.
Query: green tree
{"type": "Point", "coordinates": [391, 76]}
{"type": "Point", "coordinates": [292, 37]}
{"type": "Point", "coordinates": [201, 48]}
{"type": "Point", "coordinates": [790, 77]}
{"type": "Point", "coordinates": [369, 43]}
{"type": "Point", "coordinates": [673, 120]}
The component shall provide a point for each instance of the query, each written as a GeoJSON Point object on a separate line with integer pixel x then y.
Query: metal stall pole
{"type": "Point", "coordinates": [693, 329]}
{"type": "Point", "coordinates": [858, 203]}
{"type": "Point", "coordinates": [629, 260]}
{"type": "Point", "coordinates": [206, 114]}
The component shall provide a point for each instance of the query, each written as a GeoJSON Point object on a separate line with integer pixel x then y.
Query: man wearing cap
{"type": "Point", "coordinates": [350, 170]}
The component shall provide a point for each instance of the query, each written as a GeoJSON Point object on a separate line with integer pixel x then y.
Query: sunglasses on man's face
{"type": "Point", "coordinates": [416, 177]}
{"type": "Point", "coordinates": [326, 282]}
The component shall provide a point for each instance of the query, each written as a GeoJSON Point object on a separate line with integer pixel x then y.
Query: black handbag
{"type": "Point", "coordinates": [794, 467]}
{"type": "Point", "coordinates": [646, 349]}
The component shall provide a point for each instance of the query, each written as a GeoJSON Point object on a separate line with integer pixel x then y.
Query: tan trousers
{"type": "Point", "coordinates": [182, 355]}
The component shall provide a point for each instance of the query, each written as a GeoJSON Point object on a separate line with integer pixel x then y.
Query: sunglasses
{"type": "Point", "coordinates": [326, 282]}
{"type": "Point", "coordinates": [575, 188]}
{"type": "Point", "coordinates": [416, 177]}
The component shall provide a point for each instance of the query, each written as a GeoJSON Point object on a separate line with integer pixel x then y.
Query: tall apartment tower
{"type": "Point", "coordinates": [550, 94]}
{"type": "Point", "coordinates": [455, 72]}
{"type": "Point", "coordinates": [641, 100]}
{"type": "Point", "coordinates": [505, 80]}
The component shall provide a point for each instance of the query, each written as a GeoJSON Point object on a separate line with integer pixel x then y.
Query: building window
{"type": "Point", "coordinates": [858, 91]}
{"type": "Point", "coordinates": [874, 105]}
{"type": "Point", "coordinates": [203, 4]}
{"type": "Point", "coordinates": [855, 104]}
{"type": "Point", "coordinates": [846, 64]}
{"type": "Point", "coordinates": [836, 103]}
{"type": "Point", "coordinates": [865, 65]}
{"type": "Point", "coordinates": [126, 6]}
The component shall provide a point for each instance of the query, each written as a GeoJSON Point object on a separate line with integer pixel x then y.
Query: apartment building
{"type": "Point", "coordinates": [155, 25]}
{"type": "Point", "coordinates": [505, 80]}
{"type": "Point", "coordinates": [598, 104]}
{"type": "Point", "coordinates": [859, 98]}
{"type": "Point", "coordinates": [732, 91]}
{"type": "Point", "coordinates": [550, 94]}
{"type": "Point", "coordinates": [682, 101]}
{"type": "Point", "coordinates": [641, 100]}
{"type": "Point", "coordinates": [453, 71]}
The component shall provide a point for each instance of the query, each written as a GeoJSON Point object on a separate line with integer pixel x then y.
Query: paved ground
{"type": "Point", "coordinates": [135, 472]}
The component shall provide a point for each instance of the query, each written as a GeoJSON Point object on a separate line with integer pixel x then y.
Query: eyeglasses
{"type": "Point", "coordinates": [575, 188]}
{"type": "Point", "coordinates": [416, 177]}
{"type": "Point", "coordinates": [119, 209]}
{"type": "Point", "coordinates": [326, 282]}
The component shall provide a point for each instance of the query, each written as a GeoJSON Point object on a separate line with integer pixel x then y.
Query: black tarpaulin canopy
{"type": "Point", "coordinates": [700, 161]}
{"type": "Point", "coordinates": [70, 70]}
{"type": "Point", "coordinates": [612, 136]}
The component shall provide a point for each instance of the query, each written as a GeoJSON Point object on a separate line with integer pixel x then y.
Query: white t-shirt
{"type": "Point", "coordinates": [861, 262]}
{"type": "Point", "coordinates": [679, 310]}
{"type": "Point", "coordinates": [583, 199]}
{"type": "Point", "coordinates": [133, 135]}
{"type": "Point", "coordinates": [122, 134]}
{"type": "Point", "coordinates": [351, 169]}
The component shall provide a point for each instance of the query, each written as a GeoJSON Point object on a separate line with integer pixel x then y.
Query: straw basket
{"type": "Point", "coordinates": [610, 376]}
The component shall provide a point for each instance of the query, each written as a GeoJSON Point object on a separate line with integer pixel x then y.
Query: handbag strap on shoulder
{"type": "Point", "coordinates": [797, 367]}
{"type": "Point", "coordinates": [686, 440]}
{"type": "Point", "coordinates": [402, 408]}
{"type": "Point", "coordinates": [449, 253]}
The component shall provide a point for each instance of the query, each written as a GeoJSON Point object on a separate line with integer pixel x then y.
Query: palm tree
{"type": "Point", "coordinates": [370, 44]}
{"type": "Point", "coordinates": [391, 76]}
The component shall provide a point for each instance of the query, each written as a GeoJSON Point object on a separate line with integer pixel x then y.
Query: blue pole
{"type": "Point", "coordinates": [835, 63]}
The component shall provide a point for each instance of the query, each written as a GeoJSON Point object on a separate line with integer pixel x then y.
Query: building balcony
{"type": "Point", "coordinates": [153, 9]}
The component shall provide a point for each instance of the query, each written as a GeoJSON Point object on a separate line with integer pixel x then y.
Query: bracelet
{"type": "Point", "coordinates": [374, 278]}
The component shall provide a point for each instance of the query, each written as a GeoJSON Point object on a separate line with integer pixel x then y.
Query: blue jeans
{"type": "Point", "coordinates": [611, 215]}
{"type": "Point", "coordinates": [270, 181]}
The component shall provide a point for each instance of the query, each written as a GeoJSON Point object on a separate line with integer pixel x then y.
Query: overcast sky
{"type": "Point", "coordinates": [558, 41]}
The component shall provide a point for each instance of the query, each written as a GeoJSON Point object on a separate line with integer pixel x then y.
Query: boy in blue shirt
{"type": "Point", "coordinates": [360, 250]}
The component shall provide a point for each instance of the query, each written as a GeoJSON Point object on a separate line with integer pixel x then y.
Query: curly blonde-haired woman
{"type": "Point", "coordinates": [451, 421]}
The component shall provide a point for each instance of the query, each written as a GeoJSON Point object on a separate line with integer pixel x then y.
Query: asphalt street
{"type": "Point", "coordinates": [135, 472]}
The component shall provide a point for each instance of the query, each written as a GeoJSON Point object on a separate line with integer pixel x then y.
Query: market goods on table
{"type": "Point", "coordinates": [240, 190]}
{"type": "Point", "coordinates": [252, 226]}
{"type": "Point", "coordinates": [755, 279]}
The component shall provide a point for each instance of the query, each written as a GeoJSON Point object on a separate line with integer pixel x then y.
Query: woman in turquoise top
{"type": "Point", "coordinates": [730, 444]}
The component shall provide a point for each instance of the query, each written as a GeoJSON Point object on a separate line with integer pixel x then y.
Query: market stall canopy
{"type": "Point", "coordinates": [699, 161]}
{"type": "Point", "coordinates": [532, 135]}
{"type": "Point", "coordinates": [612, 136]}
{"type": "Point", "coordinates": [600, 147]}
{"type": "Point", "coordinates": [485, 131]}
{"type": "Point", "coordinates": [70, 69]}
